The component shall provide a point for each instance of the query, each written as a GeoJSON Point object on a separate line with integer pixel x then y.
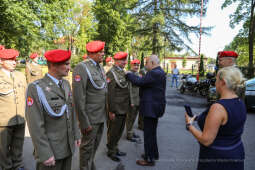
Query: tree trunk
{"type": "Point", "coordinates": [251, 40]}
{"type": "Point", "coordinates": [155, 31]}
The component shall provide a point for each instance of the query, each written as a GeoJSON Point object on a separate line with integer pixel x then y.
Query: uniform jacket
{"type": "Point", "coordinates": [134, 92]}
{"type": "Point", "coordinates": [51, 136]}
{"type": "Point", "coordinates": [33, 72]}
{"type": "Point", "coordinates": [90, 103]}
{"type": "Point", "coordinates": [152, 91]}
{"type": "Point", "coordinates": [118, 97]}
{"type": "Point", "coordinates": [12, 98]}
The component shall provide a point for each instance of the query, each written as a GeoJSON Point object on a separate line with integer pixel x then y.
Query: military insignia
{"type": "Point", "coordinates": [77, 78]}
{"type": "Point", "coordinates": [108, 80]}
{"type": "Point", "coordinates": [30, 101]}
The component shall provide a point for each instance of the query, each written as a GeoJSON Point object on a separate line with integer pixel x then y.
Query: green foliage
{"type": "Point", "coordinates": [165, 19]}
{"type": "Point", "coordinates": [201, 66]}
{"type": "Point", "coordinates": [142, 61]}
{"type": "Point", "coordinates": [184, 62]}
{"type": "Point", "coordinates": [244, 13]}
{"type": "Point", "coordinates": [114, 24]}
{"type": "Point", "coordinates": [32, 25]}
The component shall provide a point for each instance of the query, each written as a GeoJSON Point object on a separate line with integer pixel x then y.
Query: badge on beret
{"type": "Point", "coordinates": [30, 101]}
{"type": "Point", "coordinates": [108, 80]}
{"type": "Point", "coordinates": [77, 78]}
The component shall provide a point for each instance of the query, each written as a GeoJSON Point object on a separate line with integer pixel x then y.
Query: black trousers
{"type": "Point", "coordinates": [150, 138]}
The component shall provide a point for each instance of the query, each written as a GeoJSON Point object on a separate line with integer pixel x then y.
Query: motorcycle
{"type": "Point", "coordinates": [204, 85]}
{"type": "Point", "coordinates": [188, 83]}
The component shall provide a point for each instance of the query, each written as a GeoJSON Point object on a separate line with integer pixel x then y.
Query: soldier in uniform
{"type": "Point", "coordinates": [33, 69]}
{"type": "Point", "coordinates": [12, 112]}
{"type": "Point", "coordinates": [109, 63]}
{"type": "Point", "coordinates": [89, 91]}
{"type": "Point", "coordinates": [134, 103]}
{"type": "Point", "coordinates": [118, 103]}
{"type": "Point", "coordinates": [50, 116]}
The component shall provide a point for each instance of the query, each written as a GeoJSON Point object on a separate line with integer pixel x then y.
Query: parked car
{"type": "Point", "coordinates": [250, 93]}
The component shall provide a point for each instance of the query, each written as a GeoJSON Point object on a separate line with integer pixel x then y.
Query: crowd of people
{"type": "Point", "coordinates": [61, 116]}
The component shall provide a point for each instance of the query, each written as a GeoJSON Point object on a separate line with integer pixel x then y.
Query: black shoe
{"type": "Point", "coordinates": [136, 136]}
{"type": "Point", "coordinates": [143, 156]}
{"type": "Point", "coordinates": [119, 153]}
{"type": "Point", "coordinates": [132, 139]}
{"type": "Point", "coordinates": [114, 157]}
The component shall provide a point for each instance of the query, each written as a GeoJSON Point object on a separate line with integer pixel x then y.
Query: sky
{"type": "Point", "coordinates": [221, 34]}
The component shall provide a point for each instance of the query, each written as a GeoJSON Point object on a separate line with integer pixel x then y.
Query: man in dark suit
{"type": "Point", "coordinates": [152, 106]}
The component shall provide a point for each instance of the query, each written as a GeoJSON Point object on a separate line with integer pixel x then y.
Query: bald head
{"type": "Point", "coordinates": [152, 62]}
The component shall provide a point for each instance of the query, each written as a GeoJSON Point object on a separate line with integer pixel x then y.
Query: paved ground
{"type": "Point", "coordinates": [178, 149]}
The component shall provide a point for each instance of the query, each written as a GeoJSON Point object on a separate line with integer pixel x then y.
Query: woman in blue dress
{"type": "Point", "coordinates": [222, 125]}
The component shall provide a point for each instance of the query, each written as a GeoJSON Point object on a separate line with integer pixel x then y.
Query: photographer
{"type": "Point", "coordinates": [222, 125]}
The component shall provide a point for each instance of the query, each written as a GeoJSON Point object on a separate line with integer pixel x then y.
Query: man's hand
{"type": "Point", "coordinates": [87, 130]}
{"type": "Point", "coordinates": [78, 143]}
{"type": "Point", "coordinates": [50, 162]}
{"type": "Point", "coordinates": [111, 116]}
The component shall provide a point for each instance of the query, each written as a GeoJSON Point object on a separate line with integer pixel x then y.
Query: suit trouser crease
{"type": "Point", "coordinates": [11, 146]}
{"type": "Point", "coordinates": [62, 164]}
{"type": "Point", "coordinates": [150, 138]}
{"type": "Point", "coordinates": [131, 117]}
{"type": "Point", "coordinates": [89, 145]}
{"type": "Point", "coordinates": [114, 133]}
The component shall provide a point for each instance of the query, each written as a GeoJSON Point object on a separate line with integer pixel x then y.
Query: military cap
{"type": "Point", "coordinates": [57, 56]}
{"type": "Point", "coordinates": [227, 54]}
{"type": "Point", "coordinates": [2, 47]}
{"type": "Point", "coordinates": [95, 46]}
{"type": "Point", "coordinates": [120, 55]}
{"type": "Point", "coordinates": [9, 54]}
{"type": "Point", "coordinates": [135, 61]}
{"type": "Point", "coordinates": [108, 59]}
{"type": "Point", "coordinates": [34, 55]}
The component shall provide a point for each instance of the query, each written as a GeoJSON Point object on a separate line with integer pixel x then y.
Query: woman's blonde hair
{"type": "Point", "coordinates": [233, 77]}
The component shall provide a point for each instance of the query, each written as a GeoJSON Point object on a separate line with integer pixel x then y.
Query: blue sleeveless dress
{"type": "Point", "coordinates": [227, 151]}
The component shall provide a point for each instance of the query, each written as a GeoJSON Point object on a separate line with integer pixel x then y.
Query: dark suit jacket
{"type": "Point", "coordinates": [152, 92]}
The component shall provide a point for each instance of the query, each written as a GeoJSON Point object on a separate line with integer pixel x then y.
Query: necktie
{"type": "Point", "coordinates": [60, 84]}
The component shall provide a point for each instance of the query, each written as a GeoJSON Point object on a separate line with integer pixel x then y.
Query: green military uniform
{"type": "Point", "coordinates": [142, 72]}
{"type": "Point", "coordinates": [33, 72]}
{"type": "Point", "coordinates": [134, 108]}
{"type": "Point", "coordinates": [118, 103]}
{"type": "Point", "coordinates": [53, 127]}
{"type": "Point", "coordinates": [89, 91]}
{"type": "Point", "coordinates": [12, 121]}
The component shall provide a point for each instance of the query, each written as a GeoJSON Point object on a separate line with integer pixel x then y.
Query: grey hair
{"type": "Point", "coordinates": [155, 59]}
{"type": "Point", "coordinates": [233, 77]}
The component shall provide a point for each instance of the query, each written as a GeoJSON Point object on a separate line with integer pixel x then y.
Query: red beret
{"type": "Point", "coordinates": [9, 54]}
{"type": "Point", "coordinates": [85, 56]}
{"type": "Point", "coordinates": [95, 46]}
{"type": "Point", "coordinates": [108, 59]}
{"type": "Point", "coordinates": [34, 55]}
{"type": "Point", "coordinates": [135, 61]}
{"type": "Point", "coordinates": [57, 56]}
{"type": "Point", "coordinates": [120, 55]}
{"type": "Point", "coordinates": [227, 54]}
{"type": "Point", "coordinates": [2, 47]}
